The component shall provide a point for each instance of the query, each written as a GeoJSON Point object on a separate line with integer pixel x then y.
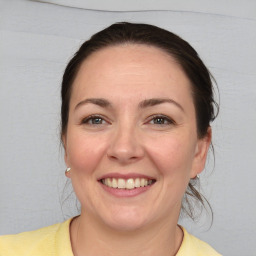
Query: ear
{"type": "Point", "coordinates": [64, 142]}
{"type": "Point", "coordinates": [200, 157]}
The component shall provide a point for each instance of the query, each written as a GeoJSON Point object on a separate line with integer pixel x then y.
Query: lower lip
{"type": "Point", "coordinates": [126, 192]}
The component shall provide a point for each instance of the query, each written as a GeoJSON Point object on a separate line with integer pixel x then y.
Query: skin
{"type": "Point", "coordinates": [129, 138]}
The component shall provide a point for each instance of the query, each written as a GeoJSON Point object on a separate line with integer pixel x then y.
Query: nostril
{"type": "Point", "coordinates": [125, 146]}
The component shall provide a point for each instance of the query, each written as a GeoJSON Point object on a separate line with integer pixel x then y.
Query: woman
{"type": "Point", "coordinates": [137, 103]}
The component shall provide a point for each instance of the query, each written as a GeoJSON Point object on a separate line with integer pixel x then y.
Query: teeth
{"type": "Point", "coordinates": [137, 183]}
{"type": "Point", "coordinates": [109, 182]}
{"type": "Point", "coordinates": [114, 183]}
{"type": "Point", "coordinates": [126, 184]}
{"type": "Point", "coordinates": [129, 184]}
{"type": "Point", "coordinates": [120, 183]}
{"type": "Point", "coordinates": [142, 182]}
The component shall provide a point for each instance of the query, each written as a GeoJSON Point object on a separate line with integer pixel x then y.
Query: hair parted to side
{"type": "Point", "coordinates": [199, 76]}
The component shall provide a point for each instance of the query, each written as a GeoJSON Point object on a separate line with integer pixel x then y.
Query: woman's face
{"type": "Point", "coordinates": [131, 138]}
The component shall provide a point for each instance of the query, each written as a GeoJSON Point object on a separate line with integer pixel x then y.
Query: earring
{"type": "Point", "coordinates": [196, 177]}
{"type": "Point", "coordinates": [68, 170]}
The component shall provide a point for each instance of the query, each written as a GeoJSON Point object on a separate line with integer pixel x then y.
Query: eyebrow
{"type": "Point", "coordinates": [97, 101]}
{"type": "Point", "coordinates": [144, 104]}
{"type": "Point", "coordinates": [157, 101]}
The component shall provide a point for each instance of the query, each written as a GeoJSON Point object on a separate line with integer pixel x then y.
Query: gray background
{"type": "Point", "coordinates": [36, 42]}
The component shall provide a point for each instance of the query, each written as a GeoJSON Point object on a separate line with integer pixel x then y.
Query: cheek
{"type": "Point", "coordinates": [173, 155]}
{"type": "Point", "coordinates": [84, 152]}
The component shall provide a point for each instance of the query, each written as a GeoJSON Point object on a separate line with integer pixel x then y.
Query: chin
{"type": "Point", "coordinates": [125, 226]}
{"type": "Point", "coordinates": [126, 222]}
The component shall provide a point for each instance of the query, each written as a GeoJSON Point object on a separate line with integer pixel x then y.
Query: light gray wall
{"type": "Point", "coordinates": [37, 40]}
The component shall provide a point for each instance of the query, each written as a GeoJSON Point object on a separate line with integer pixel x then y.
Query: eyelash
{"type": "Point", "coordinates": [91, 118]}
{"type": "Point", "coordinates": [163, 118]}
{"type": "Point", "coordinates": [167, 120]}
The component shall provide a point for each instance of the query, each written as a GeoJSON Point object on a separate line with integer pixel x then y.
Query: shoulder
{"type": "Point", "coordinates": [43, 241]}
{"type": "Point", "coordinates": [192, 246]}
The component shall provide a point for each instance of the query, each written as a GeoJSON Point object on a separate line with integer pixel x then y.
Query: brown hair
{"type": "Point", "coordinates": [186, 56]}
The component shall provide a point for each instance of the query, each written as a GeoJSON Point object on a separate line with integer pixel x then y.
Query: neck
{"type": "Point", "coordinates": [89, 237]}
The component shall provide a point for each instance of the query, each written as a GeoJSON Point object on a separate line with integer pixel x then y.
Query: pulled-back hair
{"type": "Point", "coordinates": [200, 78]}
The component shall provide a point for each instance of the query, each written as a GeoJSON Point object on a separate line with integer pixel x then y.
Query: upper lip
{"type": "Point", "coordinates": [126, 176]}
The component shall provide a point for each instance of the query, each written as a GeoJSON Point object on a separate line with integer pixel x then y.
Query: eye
{"type": "Point", "coordinates": [93, 120]}
{"type": "Point", "coordinates": [161, 120]}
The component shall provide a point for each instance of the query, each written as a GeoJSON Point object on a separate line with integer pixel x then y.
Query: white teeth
{"type": "Point", "coordinates": [114, 183]}
{"type": "Point", "coordinates": [108, 182]}
{"type": "Point", "coordinates": [126, 184]}
{"type": "Point", "coordinates": [129, 184]}
{"type": "Point", "coordinates": [142, 182]}
{"type": "Point", "coordinates": [120, 183]}
{"type": "Point", "coordinates": [137, 183]}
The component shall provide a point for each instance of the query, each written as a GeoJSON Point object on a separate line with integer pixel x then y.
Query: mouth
{"type": "Point", "coordinates": [127, 184]}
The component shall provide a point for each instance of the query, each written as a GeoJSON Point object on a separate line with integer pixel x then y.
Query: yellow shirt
{"type": "Point", "coordinates": [55, 241]}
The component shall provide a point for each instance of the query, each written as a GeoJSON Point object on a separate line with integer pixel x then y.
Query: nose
{"type": "Point", "coordinates": [125, 146]}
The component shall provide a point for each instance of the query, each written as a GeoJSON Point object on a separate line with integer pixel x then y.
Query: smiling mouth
{"type": "Point", "coordinates": [127, 183]}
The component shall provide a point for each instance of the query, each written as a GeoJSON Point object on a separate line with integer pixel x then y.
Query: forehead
{"type": "Point", "coordinates": [130, 56]}
{"type": "Point", "coordinates": [130, 69]}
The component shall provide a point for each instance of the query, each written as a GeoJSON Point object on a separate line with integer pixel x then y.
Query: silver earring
{"type": "Point", "coordinates": [68, 170]}
{"type": "Point", "coordinates": [196, 177]}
